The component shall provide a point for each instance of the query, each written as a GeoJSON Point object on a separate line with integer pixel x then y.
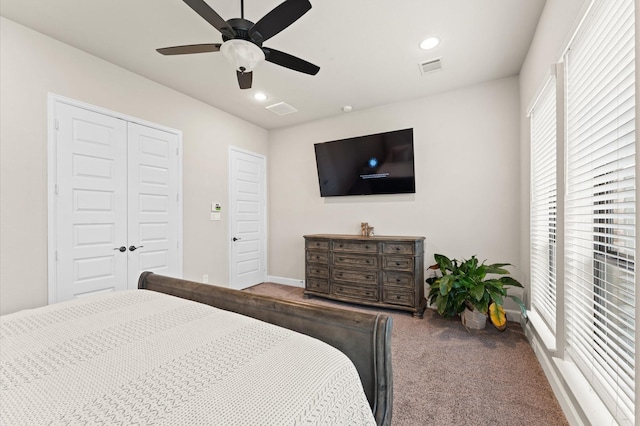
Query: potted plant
{"type": "Point", "coordinates": [464, 288]}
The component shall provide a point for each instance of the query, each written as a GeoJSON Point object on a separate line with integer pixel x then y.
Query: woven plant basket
{"type": "Point", "coordinates": [474, 320]}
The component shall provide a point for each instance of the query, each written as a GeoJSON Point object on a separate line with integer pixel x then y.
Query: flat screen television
{"type": "Point", "coordinates": [374, 164]}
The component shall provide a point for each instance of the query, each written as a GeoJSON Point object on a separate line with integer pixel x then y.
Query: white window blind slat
{"type": "Point", "coordinates": [600, 37]}
{"type": "Point", "coordinates": [543, 205]}
{"type": "Point", "coordinates": [600, 204]}
{"type": "Point", "coordinates": [613, 61]}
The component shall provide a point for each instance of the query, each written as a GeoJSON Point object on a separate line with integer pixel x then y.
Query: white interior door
{"type": "Point", "coordinates": [153, 202]}
{"type": "Point", "coordinates": [248, 258]}
{"type": "Point", "coordinates": [116, 210]}
{"type": "Point", "coordinates": [91, 203]}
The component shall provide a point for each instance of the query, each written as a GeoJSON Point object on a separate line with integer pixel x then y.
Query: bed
{"type": "Point", "coordinates": [157, 356]}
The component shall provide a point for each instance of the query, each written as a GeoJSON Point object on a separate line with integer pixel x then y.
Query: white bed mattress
{"type": "Point", "coordinates": [141, 357]}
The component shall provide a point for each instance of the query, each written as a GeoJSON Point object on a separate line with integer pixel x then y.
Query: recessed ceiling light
{"type": "Point", "coordinates": [260, 96]}
{"type": "Point", "coordinates": [429, 43]}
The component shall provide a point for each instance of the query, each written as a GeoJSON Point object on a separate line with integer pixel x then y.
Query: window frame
{"type": "Point", "coordinates": [604, 259]}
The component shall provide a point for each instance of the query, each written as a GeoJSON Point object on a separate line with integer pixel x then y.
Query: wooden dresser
{"type": "Point", "coordinates": [378, 271]}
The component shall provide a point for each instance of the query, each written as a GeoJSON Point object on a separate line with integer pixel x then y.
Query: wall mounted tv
{"type": "Point", "coordinates": [364, 165]}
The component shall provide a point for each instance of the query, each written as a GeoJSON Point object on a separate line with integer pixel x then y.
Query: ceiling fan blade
{"type": "Point", "coordinates": [210, 15]}
{"type": "Point", "coordinates": [278, 19]}
{"type": "Point", "coordinates": [289, 61]}
{"type": "Point", "coordinates": [244, 79]}
{"type": "Point", "coordinates": [191, 48]}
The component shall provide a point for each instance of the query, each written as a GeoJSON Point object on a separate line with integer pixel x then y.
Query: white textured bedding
{"type": "Point", "coordinates": [141, 357]}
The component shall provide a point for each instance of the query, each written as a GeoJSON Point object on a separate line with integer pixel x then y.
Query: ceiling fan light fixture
{"type": "Point", "coordinates": [242, 54]}
{"type": "Point", "coordinates": [243, 39]}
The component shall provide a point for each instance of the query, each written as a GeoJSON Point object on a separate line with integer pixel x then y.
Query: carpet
{"type": "Point", "coordinates": [444, 374]}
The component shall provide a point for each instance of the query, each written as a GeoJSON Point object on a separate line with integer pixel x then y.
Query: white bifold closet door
{"type": "Point", "coordinates": [116, 203]}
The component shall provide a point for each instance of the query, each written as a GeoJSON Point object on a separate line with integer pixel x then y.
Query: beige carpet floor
{"type": "Point", "coordinates": [446, 375]}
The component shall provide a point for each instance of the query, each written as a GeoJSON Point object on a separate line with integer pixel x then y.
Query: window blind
{"type": "Point", "coordinates": [543, 205]}
{"type": "Point", "coordinates": [600, 204]}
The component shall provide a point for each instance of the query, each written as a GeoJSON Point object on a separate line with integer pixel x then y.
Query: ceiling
{"type": "Point", "coordinates": [367, 50]}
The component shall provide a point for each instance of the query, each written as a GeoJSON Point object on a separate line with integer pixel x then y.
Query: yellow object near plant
{"type": "Point", "coordinates": [497, 316]}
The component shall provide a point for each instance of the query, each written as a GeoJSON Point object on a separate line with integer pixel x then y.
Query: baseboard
{"type": "Point", "coordinates": [515, 316]}
{"type": "Point", "coordinates": [286, 281]}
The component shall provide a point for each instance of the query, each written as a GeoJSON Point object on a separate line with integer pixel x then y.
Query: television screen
{"type": "Point", "coordinates": [373, 164]}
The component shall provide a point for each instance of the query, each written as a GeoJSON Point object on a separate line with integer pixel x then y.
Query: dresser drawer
{"type": "Point", "coordinates": [354, 260]}
{"type": "Point", "coordinates": [398, 279]}
{"type": "Point", "coordinates": [318, 257]}
{"type": "Point", "coordinates": [397, 297]}
{"type": "Point", "coordinates": [315, 284]}
{"type": "Point", "coordinates": [356, 292]}
{"type": "Point", "coordinates": [359, 246]}
{"type": "Point", "coordinates": [397, 263]}
{"type": "Point", "coordinates": [317, 244]}
{"type": "Point", "coordinates": [352, 275]}
{"type": "Point", "coordinates": [317, 271]}
{"type": "Point", "coordinates": [398, 248]}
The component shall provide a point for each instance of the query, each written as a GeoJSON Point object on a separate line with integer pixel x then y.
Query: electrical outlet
{"type": "Point", "coordinates": [205, 278]}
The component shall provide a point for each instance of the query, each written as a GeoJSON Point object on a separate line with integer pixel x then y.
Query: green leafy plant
{"type": "Point", "coordinates": [469, 284]}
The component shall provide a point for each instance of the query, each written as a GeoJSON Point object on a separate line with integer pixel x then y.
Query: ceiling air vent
{"type": "Point", "coordinates": [430, 66]}
{"type": "Point", "coordinates": [281, 108]}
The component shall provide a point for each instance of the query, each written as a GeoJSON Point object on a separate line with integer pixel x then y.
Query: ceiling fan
{"type": "Point", "coordinates": [243, 39]}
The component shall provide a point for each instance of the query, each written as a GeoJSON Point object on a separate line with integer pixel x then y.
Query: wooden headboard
{"type": "Point", "coordinates": [364, 338]}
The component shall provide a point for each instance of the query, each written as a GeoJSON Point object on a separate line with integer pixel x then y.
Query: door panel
{"type": "Point", "coordinates": [153, 202]}
{"type": "Point", "coordinates": [117, 187]}
{"type": "Point", "coordinates": [91, 206]}
{"type": "Point", "coordinates": [248, 204]}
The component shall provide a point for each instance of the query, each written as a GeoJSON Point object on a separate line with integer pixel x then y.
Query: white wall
{"type": "Point", "coordinates": [466, 145]}
{"type": "Point", "coordinates": [31, 65]}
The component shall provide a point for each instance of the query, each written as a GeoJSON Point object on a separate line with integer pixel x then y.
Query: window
{"type": "Point", "coordinates": [599, 263]}
{"type": "Point", "coordinates": [543, 204]}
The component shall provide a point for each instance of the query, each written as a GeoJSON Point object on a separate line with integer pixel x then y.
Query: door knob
{"type": "Point", "coordinates": [134, 248]}
{"type": "Point", "coordinates": [121, 249]}
{"type": "Point", "coordinates": [236, 239]}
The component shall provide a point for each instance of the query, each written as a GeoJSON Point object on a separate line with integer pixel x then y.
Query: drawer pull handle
{"type": "Point", "coordinates": [397, 280]}
{"type": "Point", "coordinates": [397, 248]}
{"type": "Point", "coordinates": [368, 294]}
{"type": "Point", "coordinates": [397, 263]}
{"type": "Point", "coordinates": [368, 261]}
{"type": "Point", "coordinates": [397, 297]}
{"type": "Point", "coordinates": [369, 277]}
{"type": "Point", "coordinates": [317, 257]}
{"type": "Point", "coordinates": [366, 247]}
